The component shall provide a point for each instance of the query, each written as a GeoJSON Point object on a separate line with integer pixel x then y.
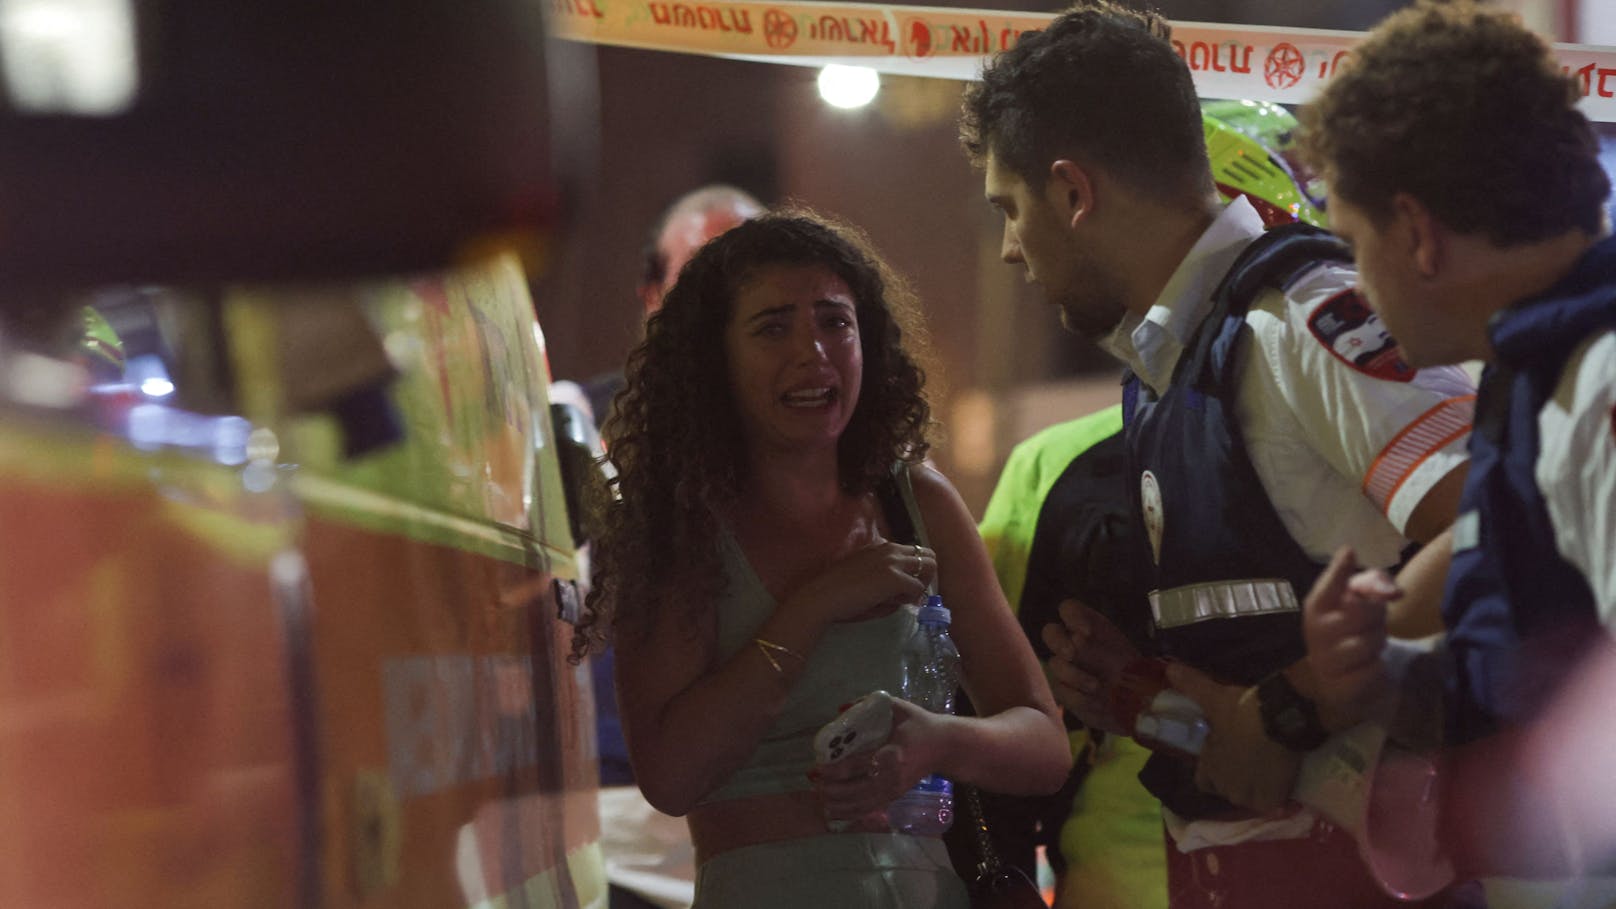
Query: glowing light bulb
{"type": "Point", "coordinates": [848, 87]}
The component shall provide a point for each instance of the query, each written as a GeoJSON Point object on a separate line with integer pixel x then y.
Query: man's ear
{"type": "Point", "coordinates": [1071, 190]}
{"type": "Point", "coordinates": [1423, 237]}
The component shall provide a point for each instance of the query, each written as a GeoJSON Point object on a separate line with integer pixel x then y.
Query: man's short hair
{"type": "Point", "coordinates": [1101, 85]}
{"type": "Point", "coordinates": [1466, 110]}
{"type": "Point", "coordinates": [654, 260]}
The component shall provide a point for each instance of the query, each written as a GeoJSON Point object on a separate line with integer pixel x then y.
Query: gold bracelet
{"type": "Point", "coordinates": [769, 649]}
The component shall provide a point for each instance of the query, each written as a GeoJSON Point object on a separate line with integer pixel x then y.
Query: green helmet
{"type": "Point", "coordinates": [1246, 141]}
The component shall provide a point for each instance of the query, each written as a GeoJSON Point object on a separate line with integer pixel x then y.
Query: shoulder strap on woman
{"type": "Point", "coordinates": [897, 496]}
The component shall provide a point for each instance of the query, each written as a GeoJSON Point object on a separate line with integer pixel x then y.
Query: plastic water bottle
{"type": "Point", "coordinates": [930, 665]}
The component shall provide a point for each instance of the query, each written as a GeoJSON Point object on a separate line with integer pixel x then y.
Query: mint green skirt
{"type": "Point", "coordinates": [844, 870]}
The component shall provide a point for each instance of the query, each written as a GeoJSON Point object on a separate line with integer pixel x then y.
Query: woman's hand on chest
{"type": "Point", "coordinates": [867, 582]}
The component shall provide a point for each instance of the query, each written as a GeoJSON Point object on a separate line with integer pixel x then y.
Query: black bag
{"type": "Point", "coordinates": [997, 885]}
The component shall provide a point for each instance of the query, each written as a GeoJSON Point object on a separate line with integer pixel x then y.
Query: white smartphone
{"type": "Point", "coordinates": [864, 726]}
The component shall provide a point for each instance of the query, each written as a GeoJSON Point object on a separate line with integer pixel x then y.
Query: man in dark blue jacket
{"type": "Point", "coordinates": [1469, 185]}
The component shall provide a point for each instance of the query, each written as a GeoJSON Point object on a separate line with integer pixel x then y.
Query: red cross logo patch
{"type": "Point", "coordinates": [1351, 331]}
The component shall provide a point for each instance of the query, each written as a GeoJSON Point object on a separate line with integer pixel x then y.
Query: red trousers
{"type": "Point", "coordinates": [1319, 871]}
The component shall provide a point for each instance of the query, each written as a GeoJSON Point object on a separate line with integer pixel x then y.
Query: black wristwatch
{"type": "Point", "coordinates": [1287, 717]}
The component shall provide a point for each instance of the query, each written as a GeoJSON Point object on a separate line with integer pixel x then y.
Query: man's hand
{"type": "Point", "coordinates": [1088, 654]}
{"type": "Point", "coordinates": [1239, 762]}
{"type": "Point", "coordinates": [1344, 625]}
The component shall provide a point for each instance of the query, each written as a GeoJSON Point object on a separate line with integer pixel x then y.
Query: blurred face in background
{"type": "Point", "coordinates": [685, 234]}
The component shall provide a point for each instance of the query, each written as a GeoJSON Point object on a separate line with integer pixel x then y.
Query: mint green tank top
{"type": "Point", "coordinates": [851, 660]}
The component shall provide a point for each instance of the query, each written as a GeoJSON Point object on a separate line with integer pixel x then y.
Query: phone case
{"type": "Point", "coordinates": [863, 726]}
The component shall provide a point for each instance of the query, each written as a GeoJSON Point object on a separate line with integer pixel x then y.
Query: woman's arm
{"type": "Point", "coordinates": [685, 729]}
{"type": "Point", "coordinates": [691, 719]}
{"type": "Point", "coordinates": [1018, 743]}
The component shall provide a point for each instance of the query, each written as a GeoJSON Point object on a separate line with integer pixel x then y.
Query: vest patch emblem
{"type": "Point", "coordinates": [1351, 331]}
{"type": "Point", "coordinates": [1151, 500]}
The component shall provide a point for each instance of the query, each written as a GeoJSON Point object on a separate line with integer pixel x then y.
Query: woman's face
{"type": "Point", "coordinates": [795, 364]}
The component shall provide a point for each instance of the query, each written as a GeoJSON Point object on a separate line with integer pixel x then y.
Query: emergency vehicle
{"type": "Point", "coordinates": [288, 569]}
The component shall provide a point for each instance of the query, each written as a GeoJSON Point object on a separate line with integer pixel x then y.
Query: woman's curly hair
{"type": "Point", "coordinates": [675, 435]}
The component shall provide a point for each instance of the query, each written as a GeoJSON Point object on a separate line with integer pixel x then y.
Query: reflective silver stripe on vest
{"type": "Point", "coordinates": [1193, 603]}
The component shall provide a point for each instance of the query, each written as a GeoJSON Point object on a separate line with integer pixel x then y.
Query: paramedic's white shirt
{"type": "Point", "coordinates": [1576, 467]}
{"type": "Point", "coordinates": [1344, 456]}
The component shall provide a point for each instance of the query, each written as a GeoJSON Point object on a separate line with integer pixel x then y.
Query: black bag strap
{"type": "Point", "coordinates": [997, 885]}
{"type": "Point", "coordinates": [900, 523]}
{"type": "Point", "coordinates": [987, 857]}
{"type": "Point", "coordinates": [895, 494]}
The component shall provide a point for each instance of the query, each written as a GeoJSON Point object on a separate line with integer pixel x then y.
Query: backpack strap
{"type": "Point", "coordinates": [1277, 259]}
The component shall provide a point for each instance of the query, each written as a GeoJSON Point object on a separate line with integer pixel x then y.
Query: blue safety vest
{"type": "Point", "coordinates": [1517, 613]}
{"type": "Point", "coordinates": [1229, 578]}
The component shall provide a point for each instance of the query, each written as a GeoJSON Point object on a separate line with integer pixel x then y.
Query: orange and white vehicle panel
{"type": "Point", "coordinates": [245, 662]}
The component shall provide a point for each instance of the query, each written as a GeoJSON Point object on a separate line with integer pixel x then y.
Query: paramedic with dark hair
{"type": "Point", "coordinates": [1255, 448]}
